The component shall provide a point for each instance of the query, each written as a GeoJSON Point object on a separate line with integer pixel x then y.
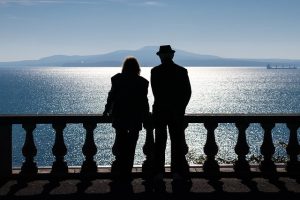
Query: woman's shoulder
{"type": "Point", "coordinates": [142, 79]}
{"type": "Point", "coordinates": [116, 76]}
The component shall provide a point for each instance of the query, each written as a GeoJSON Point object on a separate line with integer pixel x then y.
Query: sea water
{"type": "Point", "coordinates": [58, 90]}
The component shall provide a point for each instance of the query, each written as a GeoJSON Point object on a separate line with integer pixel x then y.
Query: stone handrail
{"type": "Point", "coordinates": [89, 149]}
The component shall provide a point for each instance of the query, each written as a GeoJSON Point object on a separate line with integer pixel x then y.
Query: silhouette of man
{"type": "Point", "coordinates": [172, 91]}
{"type": "Point", "coordinates": [128, 104]}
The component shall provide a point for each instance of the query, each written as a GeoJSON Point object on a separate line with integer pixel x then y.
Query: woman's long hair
{"type": "Point", "coordinates": [131, 66]}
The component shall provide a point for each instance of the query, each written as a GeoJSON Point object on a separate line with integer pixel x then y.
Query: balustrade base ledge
{"type": "Point", "coordinates": [226, 170]}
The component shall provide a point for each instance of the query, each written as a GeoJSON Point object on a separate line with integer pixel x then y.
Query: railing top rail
{"type": "Point", "coordinates": [190, 118]}
{"type": "Point", "coordinates": [244, 117]}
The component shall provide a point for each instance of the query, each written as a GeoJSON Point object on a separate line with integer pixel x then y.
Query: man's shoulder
{"type": "Point", "coordinates": [156, 68]}
{"type": "Point", "coordinates": [179, 67]}
{"type": "Point", "coordinates": [174, 66]}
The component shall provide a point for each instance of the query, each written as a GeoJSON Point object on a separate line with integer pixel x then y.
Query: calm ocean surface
{"type": "Point", "coordinates": [84, 90]}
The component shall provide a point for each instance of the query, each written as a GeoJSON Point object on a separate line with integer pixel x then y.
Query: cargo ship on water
{"type": "Point", "coordinates": [281, 66]}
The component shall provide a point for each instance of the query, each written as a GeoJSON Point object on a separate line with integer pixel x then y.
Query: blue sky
{"type": "Point", "coordinates": [31, 29]}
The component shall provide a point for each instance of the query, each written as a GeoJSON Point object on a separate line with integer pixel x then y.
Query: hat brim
{"type": "Point", "coordinates": [159, 52]}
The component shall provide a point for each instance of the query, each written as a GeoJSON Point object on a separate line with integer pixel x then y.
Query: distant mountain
{"type": "Point", "coordinates": [147, 57]}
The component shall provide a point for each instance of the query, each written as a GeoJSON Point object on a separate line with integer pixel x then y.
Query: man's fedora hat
{"type": "Point", "coordinates": [165, 49]}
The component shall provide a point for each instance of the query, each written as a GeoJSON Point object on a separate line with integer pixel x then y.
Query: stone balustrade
{"type": "Point", "coordinates": [210, 121]}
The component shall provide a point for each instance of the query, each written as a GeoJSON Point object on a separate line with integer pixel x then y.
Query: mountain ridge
{"type": "Point", "coordinates": [146, 57]}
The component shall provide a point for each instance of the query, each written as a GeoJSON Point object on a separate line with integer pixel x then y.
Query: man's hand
{"type": "Point", "coordinates": [105, 114]}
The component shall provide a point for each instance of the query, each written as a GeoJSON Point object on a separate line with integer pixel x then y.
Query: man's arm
{"type": "Point", "coordinates": [187, 89]}
{"type": "Point", "coordinates": [153, 82]}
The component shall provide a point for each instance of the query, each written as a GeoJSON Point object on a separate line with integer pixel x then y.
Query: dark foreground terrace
{"type": "Point", "coordinates": [267, 180]}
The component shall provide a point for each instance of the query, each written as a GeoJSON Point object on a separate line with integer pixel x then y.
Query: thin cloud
{"type": "Point", "coordinates": [28, 2]}
{"type": "Point", "coordinates": [138, 2]}
{"type": "Point", "coordinates": [36, 2]}
{"type": "Point", "coordinates": [153, 3]}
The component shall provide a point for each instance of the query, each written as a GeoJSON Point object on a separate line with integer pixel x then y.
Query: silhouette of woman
{"type": "Point", "coordinates": [128, 105]}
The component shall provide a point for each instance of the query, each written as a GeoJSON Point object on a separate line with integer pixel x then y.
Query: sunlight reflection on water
{"type": "Point", "coordinates": [84, 90]}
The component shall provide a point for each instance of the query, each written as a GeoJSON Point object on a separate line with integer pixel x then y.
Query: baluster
{"type": "Point", "coordinates": [5, 149]}
{"type": "Point", "coordinates": [148, 150]}
{"type": "Point", "coordinates": [29, 151]}
{"type": "Point", "coordinates": [89, 149]}
{"type": "Point", "coordinates": [242, 149]}
{"type": "Point", "coordinates": [293, 149]}
{"type": "Point", "coordinates": [267, 149]}
{"type": "Point", "coordinates": [211, 166]}
{"type": "Point", "coordinates": [59, 150]}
